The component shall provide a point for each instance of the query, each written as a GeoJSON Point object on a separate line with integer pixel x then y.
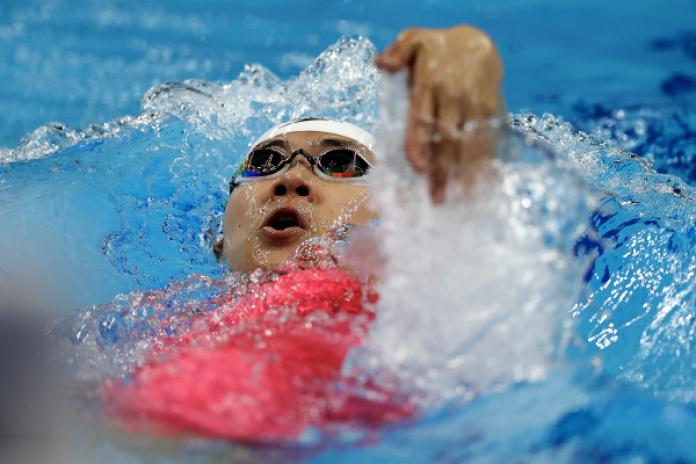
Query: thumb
{"type": "Point", "coordinates": [399, 54]}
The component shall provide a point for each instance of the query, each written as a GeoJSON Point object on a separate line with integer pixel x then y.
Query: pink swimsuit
{"type": "Point", "coordinates": [252, 372]}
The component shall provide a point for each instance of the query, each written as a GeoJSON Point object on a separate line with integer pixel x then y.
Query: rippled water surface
{"type": "Point", "coordinates": [548, 318]}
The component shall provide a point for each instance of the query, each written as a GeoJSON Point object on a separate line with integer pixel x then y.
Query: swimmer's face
{"type": "Point", "coordinates": [267, 219]}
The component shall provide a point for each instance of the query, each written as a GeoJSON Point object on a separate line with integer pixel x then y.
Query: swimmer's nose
{"type": "Point", "coordinates": [293, 183]}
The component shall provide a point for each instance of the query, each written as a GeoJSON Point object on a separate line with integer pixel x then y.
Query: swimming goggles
{"type": "Point", "coordinates": [337, 164]}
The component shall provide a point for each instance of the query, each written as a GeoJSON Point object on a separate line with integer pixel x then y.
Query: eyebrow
{"type": "Point", "coordinates": [334, 143]}
{"type": "Point", "coordinates": [322, 142]}
{"type": "Point", "coordinates": [272, 143]}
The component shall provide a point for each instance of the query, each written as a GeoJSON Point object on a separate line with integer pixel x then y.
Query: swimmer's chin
{"type": "Point", "coordinates": [277, 246]}
{"type": "Point", "coordinates": [275, 257]}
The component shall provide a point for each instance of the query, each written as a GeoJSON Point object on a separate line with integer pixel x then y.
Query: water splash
{"type": "Point", "coordinates": [476, 292]}
{"type": "Point", "coordinates": [640, 303]}
{"type": "Point", "coordinates": [111, 340]}
{"type": "Point", "coordinates": [665, 137]}
{"type": "Point", "coordinates": [137, 203]}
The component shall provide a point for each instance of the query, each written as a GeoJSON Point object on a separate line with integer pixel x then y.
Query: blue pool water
{"type": "Point", "coordinates": [577, 340]}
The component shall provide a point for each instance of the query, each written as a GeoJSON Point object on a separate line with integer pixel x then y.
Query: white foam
{"type": "Point", "coordinates": [476, 292]}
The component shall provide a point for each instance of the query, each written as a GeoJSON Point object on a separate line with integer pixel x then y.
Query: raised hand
{"type": "Point", "coordinates": [454, 79]}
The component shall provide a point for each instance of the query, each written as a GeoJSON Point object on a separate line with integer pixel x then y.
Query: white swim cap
{"type": "Point", "coordinates": [329, 126]}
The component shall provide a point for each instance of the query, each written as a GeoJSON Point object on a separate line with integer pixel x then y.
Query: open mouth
{"type": "Point", "coordinates": [283, 219]}
{"type": "Point", "coordinates": [283, 223]}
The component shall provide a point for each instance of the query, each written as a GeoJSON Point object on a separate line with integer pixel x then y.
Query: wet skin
{"type": "Point", "coordinates": [265, 220]}
{"type": "Point", "coordinates": [454, 90]}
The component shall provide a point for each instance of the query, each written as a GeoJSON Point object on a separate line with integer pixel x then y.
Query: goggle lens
{"type": "Point", "coordinates": [343, 163]}
{"type": "Point", "coordinates": [262, 163]}
{"type": "Point", "coordinates": [339, 163]}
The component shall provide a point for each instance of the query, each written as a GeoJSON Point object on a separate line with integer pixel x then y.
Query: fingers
{"type": "Point", "coordinates": [419, 127]}
{"type": "Point", "coordinates": [454, 78]}
{"type": "Point", "coordinates": [476, 151]}
{"type": "Point", "coordinates": [400, 54]}
{"type": "Point", "coordinates": [445, 154]}
{"type": "Point", "coordinates": [404, 53]}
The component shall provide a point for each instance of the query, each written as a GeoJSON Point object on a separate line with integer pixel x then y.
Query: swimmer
{"type": "Point", "coordinates": [266, 365]}
{"type": "Point", "coordinates": [303, 179]}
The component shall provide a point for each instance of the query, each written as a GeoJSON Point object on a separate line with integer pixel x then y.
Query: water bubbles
{"type": "Point", "coordinates": [640, 297]}
{"type": "Point", "coordinates": [109, 327]}
{"type": "Point", "coordinates": [473, 293]}
{"type": "Point", "coordinates": [81, 333]}
{"type": "Point", "coordinates": [663, 136]}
